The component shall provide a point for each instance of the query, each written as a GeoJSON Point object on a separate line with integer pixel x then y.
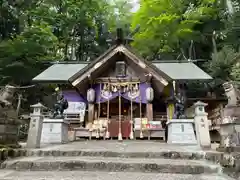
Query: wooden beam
{"type": "Point", "coordinates": [96, 66]}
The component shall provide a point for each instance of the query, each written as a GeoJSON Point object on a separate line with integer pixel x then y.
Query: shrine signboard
{"type": "Point", "coordinates": [181, 131]}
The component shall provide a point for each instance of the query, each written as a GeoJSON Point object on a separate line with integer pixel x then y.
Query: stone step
{"type": "Point", "coordinates": [165, 154]}
{"type": "Point", "coordinates": [109, 164]}
{"type": "Point", "coordinates": [86, 175]}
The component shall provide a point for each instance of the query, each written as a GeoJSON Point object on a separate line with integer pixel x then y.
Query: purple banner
{"type": "Point", "coordinates": [137, 96]}
{"type": "Point", "coordinates": [74, 96]}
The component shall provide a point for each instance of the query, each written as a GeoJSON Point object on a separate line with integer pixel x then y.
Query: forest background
{"type": "Point", "coordinates": [34, 33]}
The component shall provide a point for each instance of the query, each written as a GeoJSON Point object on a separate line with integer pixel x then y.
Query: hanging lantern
{"type": "Point", "coordinates": [91, 95]}
{"type": "Point", "coordinates": [149, 94]}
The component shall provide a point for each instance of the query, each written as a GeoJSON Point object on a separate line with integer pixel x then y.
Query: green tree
{"type": "Point", "coordinates": [171, 27]}
{"type": "Point", "coordinates": [20, 57]}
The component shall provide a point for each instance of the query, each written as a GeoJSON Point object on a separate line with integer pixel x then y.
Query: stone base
{"type": "Point", "coordinates": [180, 131]}
{"type": "Point", "coordinates": [231, 111]}
{"type": "Point", "coordinates": [230, 133]}
{"type": "Point", "coordinates": [54, 131]}
{"type": "Point", "coordinates": [229, 149]}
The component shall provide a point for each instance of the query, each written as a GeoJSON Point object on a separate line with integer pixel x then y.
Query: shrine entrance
{"type": "Point", "coordinates": [119, 111]}
{"type": "Point", "coordinates": [119, 116]}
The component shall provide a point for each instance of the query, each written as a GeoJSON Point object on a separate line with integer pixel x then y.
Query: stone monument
{"type": "Point", "coordinates": [230, 125]}
{"type": "Point", "coordinates": [180, 131]}
{"type": "Point", "coordinates": [202, 125]}
{"type": "Point", "coordinates": [54, 131]}
{"type": "Point", "coordinates": [35, 127]}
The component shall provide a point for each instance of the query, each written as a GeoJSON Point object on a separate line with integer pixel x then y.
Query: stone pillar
{"type": "Point", "coordinates": [35, 126]}
{"type": "Point", "coordinates": [202, 125]}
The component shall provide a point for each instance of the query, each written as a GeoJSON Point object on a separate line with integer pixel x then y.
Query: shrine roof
{"type": "Point", "coordinates": [163, 71]}
{"type": "Point", "coordinates": [182, 71]}
{"type": "Point", "coordinates": [59, 72]}
{"type": "Point", "coordinates": [176, 71]}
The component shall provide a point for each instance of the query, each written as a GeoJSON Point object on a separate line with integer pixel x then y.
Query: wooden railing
{"type": "Point", "coordinates": [160, 116]}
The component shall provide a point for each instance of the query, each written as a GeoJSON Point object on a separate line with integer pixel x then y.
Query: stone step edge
{"type": "Point", "coordinates": [212, 156]}
{"type": "Point", "coordinates": [110, 166]}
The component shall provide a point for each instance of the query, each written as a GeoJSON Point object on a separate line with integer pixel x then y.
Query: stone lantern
{"type": "Point", "coordinates": [35, 126]}
{"type": "Point", "coordinates": [202, 125]}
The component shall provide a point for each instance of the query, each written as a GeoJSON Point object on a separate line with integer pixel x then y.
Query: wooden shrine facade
{"type": "Point", "coordinates": [124, 94]}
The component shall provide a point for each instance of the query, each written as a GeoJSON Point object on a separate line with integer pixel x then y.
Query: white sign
{"type": "Point", "coordinates": [76, 108]}
{"type": "Point", "coordinates": [51, 133]}
{"type": "Point", "coordinates": [181, 132]}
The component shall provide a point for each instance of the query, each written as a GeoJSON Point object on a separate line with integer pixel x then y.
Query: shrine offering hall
{"type": "Point", "coordinates": [119, 94]}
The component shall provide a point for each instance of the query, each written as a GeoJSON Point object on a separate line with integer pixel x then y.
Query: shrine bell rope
{"type": "Point", "coordinates": [99, 109]}
{"type": "Point", "coordinates": [131, 135]}
{"type": "Point", "coordinates": [108, 103]}
{"type": "Point", "coordinates": [140, 104]}
{"type": "Point", "coordinates": [119, 121]}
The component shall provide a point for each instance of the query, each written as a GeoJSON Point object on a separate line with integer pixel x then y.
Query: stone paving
{"type": "Point", "coordinates": [79, 175]}
{"type": "Point", "coordinates": [124, 146]}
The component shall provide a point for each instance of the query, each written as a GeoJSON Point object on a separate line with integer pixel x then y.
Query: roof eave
{"type": "Point", "coordinates": [90, 65]}
{"type": "Point", "coordinates": [49, 81]}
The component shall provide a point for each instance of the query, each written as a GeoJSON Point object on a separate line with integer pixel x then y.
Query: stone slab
{"type": "Point", "coordinates": [54, 131]}
{"type": "Point", "coordinates": [85, 175]}
{"type": "Point", "coordinates": [180, 131]}
{"type": "Point", "coordinates": [109, 164]}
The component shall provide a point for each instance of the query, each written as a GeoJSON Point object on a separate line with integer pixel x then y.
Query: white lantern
{"type": "Point", "coordinates": [149, 94]}
{"type": "Point", "coordinates": [91, 95]}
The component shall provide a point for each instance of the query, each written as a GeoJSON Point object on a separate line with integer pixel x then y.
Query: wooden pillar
{"type": "Point", "coordinates": [149, 111]}
{"type": "Point", "coordinates": [90, 112]}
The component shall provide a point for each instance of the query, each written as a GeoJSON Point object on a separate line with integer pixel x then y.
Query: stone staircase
{"type": "Point", "coordinates": [96, 164]}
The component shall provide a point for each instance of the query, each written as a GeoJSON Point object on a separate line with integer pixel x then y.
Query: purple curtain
{"type": "Point", "coordinates": [142, 94]}
{"type": "Point", "coordinates": [104, 96]}
{"type": "Point", "coordinates": [74, 96]}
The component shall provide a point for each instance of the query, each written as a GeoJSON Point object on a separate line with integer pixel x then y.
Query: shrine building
{"type": "Point", "coordinates": [119, 94]}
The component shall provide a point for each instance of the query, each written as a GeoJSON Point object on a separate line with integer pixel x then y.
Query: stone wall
{"type": "Point", "coordinates": [8, 131]}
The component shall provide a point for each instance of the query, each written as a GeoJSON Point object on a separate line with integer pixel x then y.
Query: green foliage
{"type": "Point", "coordinates": [168, 26]}
{"type": "Point", "coordinates": [46, 30]}
{"type": "Point", "coordinates": [19, 56]}
{"type": "Point", "coordinates": [220, 67]}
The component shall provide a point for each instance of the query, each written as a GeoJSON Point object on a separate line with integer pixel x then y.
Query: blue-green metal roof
{"type": "Point", "coordinates": [174, 70]}
{"type": "Point", "coordinates": [60, 72]}
{"type": "Point", "coordinates": [182, 71]}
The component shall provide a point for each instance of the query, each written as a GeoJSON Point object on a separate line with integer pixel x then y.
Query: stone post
{"type": "Point", "coordinates": [202, 125]}
{"type": "Point", "coordinates": [35, 126]}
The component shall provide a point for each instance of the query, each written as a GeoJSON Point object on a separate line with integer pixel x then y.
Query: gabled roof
{"type": "Point", "coordinates": [107, 56]}
{"type": "Point", "coordinates": [162, 71]}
